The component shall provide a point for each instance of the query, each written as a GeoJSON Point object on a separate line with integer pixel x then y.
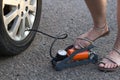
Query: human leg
{"type": "Point", "coordinates": [113, 58]}
{"type": "Point", "coordinates": [98, 12]}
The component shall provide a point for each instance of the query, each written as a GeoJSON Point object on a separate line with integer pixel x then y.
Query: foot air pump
{"type": "Point", "coordinates": [70, 57]}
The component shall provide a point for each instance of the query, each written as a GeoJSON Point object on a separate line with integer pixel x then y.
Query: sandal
{"type": "Point", "coordinates": [91, 41]}
{"type": "Point", "coordinates": [113, 60]}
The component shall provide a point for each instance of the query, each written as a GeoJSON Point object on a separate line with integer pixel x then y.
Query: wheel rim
{"type": "Point", "coordinates": [18, 16]}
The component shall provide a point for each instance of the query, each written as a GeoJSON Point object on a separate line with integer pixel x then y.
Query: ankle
{"type": "Point", "coordinates": [100, 23]}
{"type": "Point", "coordinates": [100, 26]}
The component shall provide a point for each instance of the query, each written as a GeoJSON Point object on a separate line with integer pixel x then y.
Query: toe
{"type": "Point", "coordinates": [115, 65]}
{"type": "Point", "coordinates": [112, 65]}
{"type": "Point", "coordinates": [107, 65]}
{"type": "Point", "coordinates": [101, 65]}
{"type": "Point", "coordinates": [77, 47]}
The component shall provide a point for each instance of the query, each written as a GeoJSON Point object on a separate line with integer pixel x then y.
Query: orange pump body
{"type": "Point", "coordinates": [79, 56]}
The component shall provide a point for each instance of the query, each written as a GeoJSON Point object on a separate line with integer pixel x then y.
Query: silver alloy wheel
{"type": "Point", "coordinates": [18, 15]}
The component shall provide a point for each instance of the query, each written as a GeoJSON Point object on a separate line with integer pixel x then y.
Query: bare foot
{"type": "Point", "coordinates": [111, 62]}
{"type": "Point", "coordinates": [87, 38]}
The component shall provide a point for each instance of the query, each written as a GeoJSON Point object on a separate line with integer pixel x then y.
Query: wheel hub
{"type": "Point", "coordinates": [23, 6]}
{"type": "Point", "coordinates": [19, 17]}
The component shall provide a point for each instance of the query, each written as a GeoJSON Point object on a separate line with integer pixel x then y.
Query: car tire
{"type": "Point", "coordinates": [16, 16]}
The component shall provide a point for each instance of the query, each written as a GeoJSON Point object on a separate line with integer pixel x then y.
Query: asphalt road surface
{"type": "Point", "coordinates": [61, 16]}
